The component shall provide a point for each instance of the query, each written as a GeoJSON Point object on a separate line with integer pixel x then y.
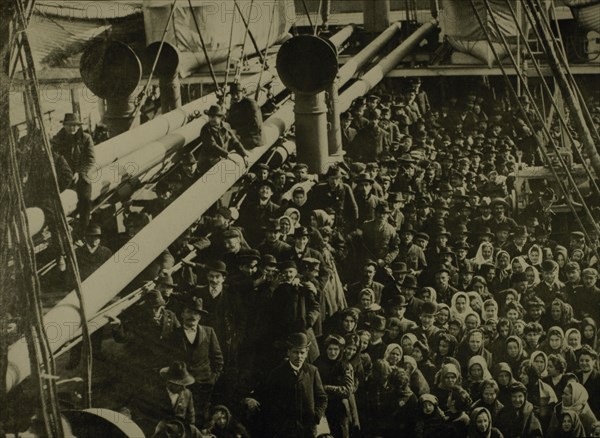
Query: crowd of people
{"type": "Point", "coordinates": [399, 294]}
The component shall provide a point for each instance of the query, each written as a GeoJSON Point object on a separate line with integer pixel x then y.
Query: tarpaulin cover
{"type": "Point", "coordinates": [587, 13]}
{"type": "Point", "coordinates": [458, 19]}
{"type": "Point", "coordinates": [214, 19]}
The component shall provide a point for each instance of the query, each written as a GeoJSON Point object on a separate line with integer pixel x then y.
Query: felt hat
{"type": "Point", "coordinates": [214, 110]}
{"type": "Point", "coordinates": [177, 373]}
{"type": "Point", "coordinates": [71, 119]}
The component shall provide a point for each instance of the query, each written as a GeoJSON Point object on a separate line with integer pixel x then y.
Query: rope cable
{"type": "Point", "coordinates": [546, 87]}
{"type": "Point", "coordinates": [528, 120]}
{"type": "Point", "coordinates": [264, 65]}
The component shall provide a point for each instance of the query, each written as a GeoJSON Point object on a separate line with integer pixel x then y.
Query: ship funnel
{"type": "Point", "coordinates": [308, 65]}
{"type": "Point", "coordinates": [167, 70]}
{"type": "Point", "coordinates": [112, 71]}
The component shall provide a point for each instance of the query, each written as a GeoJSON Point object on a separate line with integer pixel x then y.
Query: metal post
{"type": "Point", "coordinates": [335, 130]}
{"type": "Point", "coordinates": [311, 130]}
{"type": "Point", "coordinates": [119, 115]}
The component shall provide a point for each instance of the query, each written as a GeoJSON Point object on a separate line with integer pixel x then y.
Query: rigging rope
{"type": "Point", "coordinates": [60, 222]}
{"type": "Point", "coordinates": [546, 87]}
{"type": "Point", "coordinates": [205, 50]}
{"type": "Point", "coordinates": [563, 188]}
{"type": "Point", "coordinates": [246, 32]}
{"type": "Point", "coordinates": [312, 28]}
{"type": "Point", "coordinates": [264, 64]}
{"type": "Point", "coordinates": [227, 65]}
{"type": "Point", "coordinates": [563, 58]}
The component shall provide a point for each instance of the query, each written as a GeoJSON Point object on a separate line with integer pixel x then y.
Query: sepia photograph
{"type": "Point", "coordinates": [299, 218]}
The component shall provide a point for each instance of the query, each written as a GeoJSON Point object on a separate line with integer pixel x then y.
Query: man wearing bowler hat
{"type": "Point", "coordinates": [348, 132]}
{"type": "Point", "coordinates": [272, 243]}
{"type": "Point", "coordinates": [198, 346]}
{"type": "Point", "coordinates": [301, 250]}
{"type": "Point", "coordinates": [77, 147]}
{"type": "Point", "coordinates": [293, 399]}
{"type": "Point", "coordinates": [217, 140]}
{"type": "Point", "coordinates": [254, 214]}
{"type": "Point", "coordinates": [245, 117]}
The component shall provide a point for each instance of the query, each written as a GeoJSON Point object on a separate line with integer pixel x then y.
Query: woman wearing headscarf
{"type": "Point", "coordinates": [573, 340]}
{"type": "Point", "coordinates": [535, 256]}
{"type": "Point", "coordinates": [393, 355]}
{"type": "Point", "coordinates": [533, 277]}
{"type": "Point", "coordinates": [477, 372]}
{"type": "Point", "coordinates": [518, 264]}
{"type": "Point", "coordinates": [460, 306]}
{"type": "Point", "coordinates": [430, 419]}
{"type": "Point", "coordinates": [420, 354]}
{"type": "Point", "coordinates": [504, 377]}
{"type": "Point", "coordinates": [517, 419]}
{"type": "Point", "coordinates": [539, 360]}
{"type": "Point", "coordinates": [294, 215]}
{"type": "Point", "coordinates": [372, 401]}
{"type": "Point", "coordinates": [479, 285]}
{"type": "Point", "coordinates": [442, 316]}
{"type": "Point", "coordinates": [407, 341]}
{"type": "Point", "coordinates": [589, 333]}
{"type": "Point", "coordinates": [352, 356]}
{"type": "Point", "coordinates": [561, 256]}
{"type": "Point", "coordinates": [503, 272]}
{"type": "Point", "coordinates": [472, 321]}
{"type": "Point", "coordinates": [368, 306]}
{"type": "Point", "coordinates": [539, 393]}
{"type": "Point", "coordinates": [560, 314]}
{"type": "Point", "coordinates": [446, 379]}
{"type": "Point", "coordinates": [555, 344]}
{"type": "Point", "coordinates": [472, 345]}
{"type": "Point", "coordinates": [476, 301]}
{"type": "Point", "coordinates": [484, 254]}
{"type": "Point", "coordinates": [514, 353]}
{"type": "Point", "coordinates": [287, 230]}
{"type": "Point", "coordinates": [490, 310]}
{"type": "Point", "coordinates": [574, 400]}
{"type": "Point", "coordinates": [337, 376]}
{"type": "Point", "coordinates": [481, 426]}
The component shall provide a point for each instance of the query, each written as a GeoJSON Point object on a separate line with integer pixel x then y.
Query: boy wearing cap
{"type": "Point", "coordinates": [589, 377]}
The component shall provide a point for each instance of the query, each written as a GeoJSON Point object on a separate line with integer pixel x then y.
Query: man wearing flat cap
{"type": "Point", "coordinates": [198, 346]}
{"type": "Point", "coordinates": [272, 243]}
{"type": "Point", "coordinates": [77, 147]}
{"type": "Point", "coordinates": [217, 140]}
{"type": "Point", "coordinates": [245, 117]}
{"type": "Point", "coordinates": [348, 132]}
{"type": "Point", "coordinates": [293, 399]}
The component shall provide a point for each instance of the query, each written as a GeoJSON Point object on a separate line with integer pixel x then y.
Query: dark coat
{"type": "Point", "coordinates": [203, 357]}
{"type": "Point", "coordinates": [381, 242]}
{"type": "Point", "coordinates": [593, 388]}
{"type": "Point", "coordinates": [216, 143]}
{"type": "Point", "coordinates": [246, 120]}
{"type": "Point", "coordinates": [293, 405]}
{"type": "Point", "coordinates": [78, 150]}
{"type": "Point", "coordinates": [88, 262]}
{"type": "Point", "coordinates": [277, 249]}
{"type": "Point", "coordinates": [369, 143]}
{"type": "Point", "coordinates": [523, 424]}
{"type": "Point", "coordinates": [292, 309]}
